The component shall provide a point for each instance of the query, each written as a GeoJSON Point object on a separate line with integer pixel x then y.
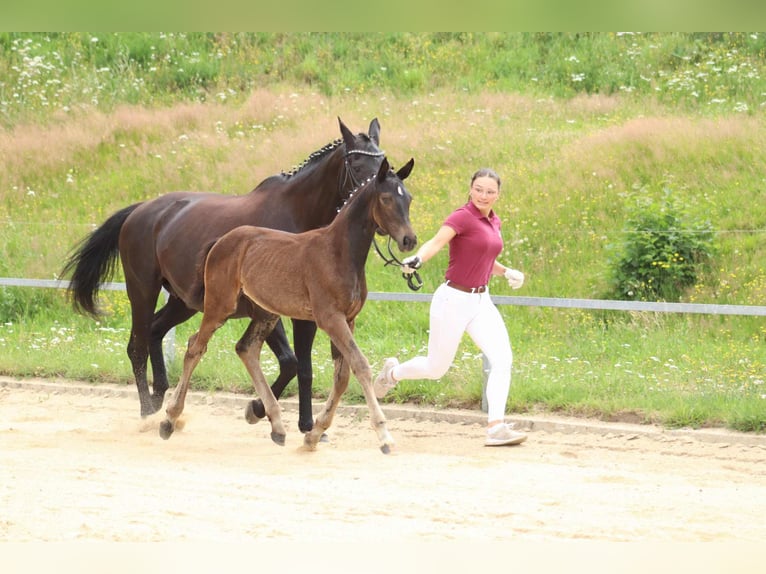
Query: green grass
{"type": "Point", "coordinates": [222, 112]}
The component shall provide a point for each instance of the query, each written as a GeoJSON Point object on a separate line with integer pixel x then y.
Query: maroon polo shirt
{"type": "Point", "coordinates": [476, 245]}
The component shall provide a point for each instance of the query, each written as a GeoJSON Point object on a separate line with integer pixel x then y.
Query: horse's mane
{"type": "Point", "coordinates": [354, 192]}
{"type": "Point", "coordinates": [314, 158]}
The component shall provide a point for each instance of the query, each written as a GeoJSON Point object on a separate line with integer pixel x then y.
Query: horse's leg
{"type": "Point", "coordinates": [249, 350]}
{"type": "Point", "coordinates": [288, 367]}
{"type": "Point", "coordinates": [304, 333]}
{"type": "Point", "coordinates": [341, 375]}
{"type": "Point", "coordinates": [346, 354]}
{"type": "Point", "coordinates": [143, 299]}
{"type": "Point", "coordinates": [173, 313]}
{"type": "Point", "coordinates": [196, 347]}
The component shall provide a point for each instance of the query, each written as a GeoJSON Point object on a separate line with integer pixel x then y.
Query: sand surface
{"type": "Point", "coordinates": [79, 464]}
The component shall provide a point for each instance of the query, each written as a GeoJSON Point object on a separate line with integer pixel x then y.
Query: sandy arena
{"type": "Point", "coordinates": [79, 464]}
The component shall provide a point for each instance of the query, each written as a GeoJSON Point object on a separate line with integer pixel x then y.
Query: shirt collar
{"type": "Point", "coordinates": [476, 213]}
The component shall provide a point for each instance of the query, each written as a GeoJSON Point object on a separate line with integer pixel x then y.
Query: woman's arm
{"type": "Point", "coordinates": [435, 244]}
{"type": "Point", "coordinates": [498, 269]}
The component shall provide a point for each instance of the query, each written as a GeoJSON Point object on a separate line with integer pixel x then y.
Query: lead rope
{"type": "Point", "coordinates": [414, 282]}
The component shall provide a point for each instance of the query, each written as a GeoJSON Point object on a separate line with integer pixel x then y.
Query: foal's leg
{"type": "Point", "coordinates": [288, 367]}
{"type": "Point", "coordinates": [341, 334]}
{"type": "Point", "coordinates": [196, 347]}
{"type": "Point", "coordinates": [304, 333]}
{"type": "Point", "coordinates": [341, 375]}
{"type": "Point", "coordinates": [249, 350]}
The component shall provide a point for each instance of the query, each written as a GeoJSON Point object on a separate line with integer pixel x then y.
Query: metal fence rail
{"type": "Point", "coordinates": [567, 303]}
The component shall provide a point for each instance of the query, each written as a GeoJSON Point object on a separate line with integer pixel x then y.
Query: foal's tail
{"type": "Point", "coordinates": [206, 249]}
{"type": "Point", "coordinates": [93, 261]}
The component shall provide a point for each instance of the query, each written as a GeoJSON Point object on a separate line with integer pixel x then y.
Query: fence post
{"type": "Point", "coordinates": [169, 342]}
{"type": "Point", "coordinates": [485, 368]}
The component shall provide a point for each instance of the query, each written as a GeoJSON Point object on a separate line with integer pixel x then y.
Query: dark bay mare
{"type": "Point", "coordinates": [317, 276]}
{"type": "Point", "coordinates": [162, 243]}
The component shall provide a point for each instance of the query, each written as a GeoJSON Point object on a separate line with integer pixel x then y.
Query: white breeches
{"type": "Point", "coordinates": [452, 314]}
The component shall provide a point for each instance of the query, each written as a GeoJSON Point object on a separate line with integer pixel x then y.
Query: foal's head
{"type": "Point", "coordinates": [391, 207]}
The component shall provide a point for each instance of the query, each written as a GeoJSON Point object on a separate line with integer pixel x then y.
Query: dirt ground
{"type": "Point", "coordinates": [79, 464]}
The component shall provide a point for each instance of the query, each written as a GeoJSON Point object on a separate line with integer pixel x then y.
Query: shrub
{"type": "Point", "coordinates": [662, 255]}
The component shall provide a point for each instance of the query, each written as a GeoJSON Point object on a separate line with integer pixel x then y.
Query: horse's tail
{"type": "Point", "coordinates": [93, 262]}
{"type": "Point", "coordinates": [204, 252]}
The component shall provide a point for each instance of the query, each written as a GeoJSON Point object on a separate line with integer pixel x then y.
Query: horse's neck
{"type": "Point", "coordinates": [317, 188]}
{"type": "Point", "coordinates": [354, 228]}
{"type": "Point", "coordinates": [308, 198]}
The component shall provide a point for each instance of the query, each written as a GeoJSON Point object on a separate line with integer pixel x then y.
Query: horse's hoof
{"type": "Point", "coordinates": [278, 438]}
{"type": "Point", "coordinates": [166, 429]}
{"type": "Point", "coordinates": [157, 401]}
{"type": "Point", "coordinates": [387, 448]}
{"type": "Point", "coordinates": [324, 438]}
{"type": "Point", "coordinates": [304, 428]}
{"type": "Point", "coordinates": [254, 412]}
{"type": "Point", "coordinates": [149, 410]}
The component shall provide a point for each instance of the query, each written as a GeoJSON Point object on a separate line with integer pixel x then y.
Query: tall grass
{"type": "Point", "coordinates": [47, 75]}
{"type": "Point", "coordinates": [582, 128]}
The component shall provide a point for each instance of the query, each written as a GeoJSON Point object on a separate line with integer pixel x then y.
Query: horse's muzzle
{"type": "Point", "coordinates": [408, 243]}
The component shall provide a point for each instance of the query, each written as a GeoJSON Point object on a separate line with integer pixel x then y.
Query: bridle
{"type": "Point", "coordinates": [413, 279]}
{"type": "Point", "coordinates": [414, 282]}
{"type": "Point", "coordinates": [349, 174]}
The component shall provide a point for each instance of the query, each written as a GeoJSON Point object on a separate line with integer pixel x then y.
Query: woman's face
{"type": "Point", "coordinates": [484, 193]}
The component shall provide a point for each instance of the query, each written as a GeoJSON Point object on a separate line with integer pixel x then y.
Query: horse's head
{"type": "Point", "coordinates": [363, 156]}
{"type": "Point", "coordinates": [391, 209]}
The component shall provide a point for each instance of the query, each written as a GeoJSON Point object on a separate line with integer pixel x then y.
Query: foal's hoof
{"type": "Point", "coordinates": [308, 427]}
{"type": "Point", "coordinates": [278, 438]}
{"type": "Point", "coordinates": [166, 429]}
{"type": "Point", "coordinates": [325, 438]}
{"type": "Point", "coordinates": [254, 412]}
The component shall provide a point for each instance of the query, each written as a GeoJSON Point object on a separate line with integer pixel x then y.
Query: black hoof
{"type": "Point", "coordinates": [166, 429]}
{"type": "Point", "coordinates": [254, 412]}
{"type": "Point", "coordinates": [157, 400]}
{"type": "Point", "coordinates": [151, 406]}
{"type": "Point", "coordinates": [148, 410]}
{"type": "Point", "coordinates": [278, 438]}
{"type": "Point", "coordinates": [385, 449]}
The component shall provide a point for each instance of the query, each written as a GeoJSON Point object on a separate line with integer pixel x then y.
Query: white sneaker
{"type": "Point", "coordinates": [384, 381]}
{"type": "Point", "coordinates": [503, 434]}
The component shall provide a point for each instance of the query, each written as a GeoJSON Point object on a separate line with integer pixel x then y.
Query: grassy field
{"type": "Point", "coordinates": [582, 128]}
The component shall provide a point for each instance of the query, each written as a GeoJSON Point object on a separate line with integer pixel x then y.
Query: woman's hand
{"type": "Point", "coordinates": [515, 278]}
{"type": "Point", "coordinates": [410, 264]}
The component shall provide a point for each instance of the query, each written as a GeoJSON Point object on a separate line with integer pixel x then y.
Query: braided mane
{"type": "Point", "coordinates": [315, 157]}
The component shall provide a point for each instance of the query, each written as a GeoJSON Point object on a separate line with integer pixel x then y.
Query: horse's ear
{"type": "Point", "coordinates": [383, 170]}
{"type": "Point", "coordinates": [374, 131]}
{"type": "Point", "coordinates": [348, 137]}
{"type": "Point", "coordinates": [405, 170]}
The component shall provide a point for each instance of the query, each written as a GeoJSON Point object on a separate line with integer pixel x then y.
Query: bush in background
{"type": "Point", "coordinates": [663, 254]}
